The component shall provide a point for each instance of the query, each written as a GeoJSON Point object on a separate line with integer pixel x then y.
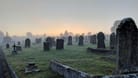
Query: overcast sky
{"type": "Point", "coordinates": [54, 16]}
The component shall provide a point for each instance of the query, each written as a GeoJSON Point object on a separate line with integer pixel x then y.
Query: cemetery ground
{"type": "Point", "coordinates": [74, 56]}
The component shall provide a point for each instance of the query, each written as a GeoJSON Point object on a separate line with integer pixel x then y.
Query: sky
{"type": "Point", "coordinates": [55, 16]}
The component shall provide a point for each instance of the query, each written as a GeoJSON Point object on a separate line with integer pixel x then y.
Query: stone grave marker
{"type": "Point", "coordinates": [14, 51]}
{"type": "Point", "coordinates": [81, 41]}
{"type": "Point", "coordinates": [27, 43]}
{"type": "Point", "coordinates": [93, 39]}
{"type": "Point", "coordinates": [49, 39]}
{"type": "Point", "coordinates": [70, 40]}
{"type": "Point", "coordinates": [76, 38]}
{"type": "Point", "coordinates": [18, 48]}
{"type": "Point", "coordinates": [46, 46]}
{"type": "Point", "coordinates": [112, 41]}
{"type": "Point", "coordinates": [18, 43]}
{"type": "Point", "coordinates": [7, 46]}
{"type": "Point", "coordinates": [127, 47]}
{"type": "Point", "coordinates": [59, 44]}
{"type": "Point", "coordinates": [100, 40]}
{"type": "Point", "coordinates": [31, 67]}
{"type": "Point", "coordinates": [53, 41]}
{"type": "Point", "coordinates": [38, 40]}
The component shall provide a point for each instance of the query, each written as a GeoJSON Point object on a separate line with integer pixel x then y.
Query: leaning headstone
{"type": "Point", "coordinates": [127, 47]}
{"type": "Point", "coordinates": [70, 40]}
{"type": "Point", "coordinates": [7, 46]}
{"type": "Point", "coordinates": [27, 43]}
{"type": "Point", "coordinates": [46, 46]}
{"type": "Point", "coordinates": [59, 44]}
{"type": "Point", "coordinates": [81, 41]}
{"type": "Point", "coordinates": [100, 40]}
{"type": "Point", "coordinates": [112, 41]}
{"type": "Point", "coordinates": [93, 39]}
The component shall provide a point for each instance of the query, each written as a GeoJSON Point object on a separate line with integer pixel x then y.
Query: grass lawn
{"type": "Point", "coordinates": [74, 56]}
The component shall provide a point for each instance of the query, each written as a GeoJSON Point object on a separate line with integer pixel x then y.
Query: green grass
{"type": "Point", "coordinates": [74, 56]}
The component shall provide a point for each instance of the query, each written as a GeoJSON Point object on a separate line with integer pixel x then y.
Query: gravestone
{"type": "Point", "coordinates": [46, 46]}
{"type": "Point", "coordinates": [112, 41]}
{"type": "Point", "coordinates": [93, 39]}
{"type": "Point", "coordinates": [100, 40]}
{"type": "Point", "coordinates": [49, 39]}
{"type": "Point", "coordinates": [14, 49]}
{"type": "Point", "coordinates": [27, 43]}
{"type": "Point", "coordinates": [81, 41]}
{"type": "Point", "coordinates": [127, 47]}
{"type": "Point", "coordinates": [90, 39]}
{"type": "Point", "coordinates": [70, 40]}
{"type": "Point", "coordinates": [53, 41]}
{"type": "Point", "coordinates": [86, 39]}
{"type": "Point", "coordinates": [18, 48]}
{"type": "Point", "coordinates": [38, 40]}
{"type": "Point", "coordinates": [59, 44]}
{"type": "Point", "coordinates": [31, 67]}
{"type": "Point", "coordinates": [18, 43]}
{"type": "Point", "coordinates": [7, 46]}
{"type": "Point", "coordinates": [76, 38]}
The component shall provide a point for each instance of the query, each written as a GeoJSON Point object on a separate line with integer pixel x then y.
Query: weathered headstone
{"type": "Point", "coordinates": [127, 47]}
{"type": "Point", "coordinates": [112, 41]}
{"type": "Point", "coordinates": [27, 43]}
{"type": "Point", "coordinates": [18, 43]}
{"type": "Point", "coordinates": [70, 40]}
{"type": "Point", "coordinates": [100, 40]}
{"type": "Point", "coordinates": [93, 39]}
{"type": "Point", "coordinates": [81, 41]}
{"type": "Point", "coordinates": [76, 38]}
{"type": "Point", "coordinates": [46, 46]}
{"type": "Point", "coordinates": [59, 44]}
{"type": "Point", "coordinates": [53, 41]}
{"type": "Point", "coordinates": [86, 39]}
{"type": "Point", "coordinates": [7, 46]}
{"type": "Point", "coordinates": [38, 40]}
